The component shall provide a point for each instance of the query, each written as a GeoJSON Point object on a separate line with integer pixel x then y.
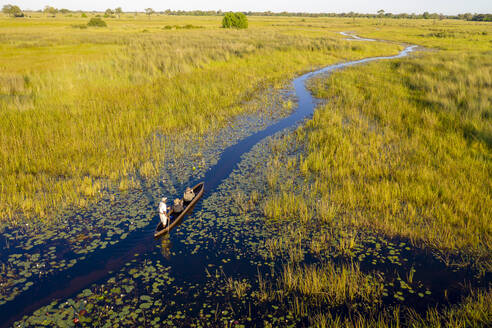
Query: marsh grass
{"type": "Point", "coordinates": [474, 311]}
{"type": "Point", "coordinates": [401, 147]}
{"type": "Point", "coordinates": [310, 291]}
{"type": "Point", "coordinates": [93, 105]}
{"type": "Point", "coordinates": [238, 288]}
{"type": "Point", "coordinates": [332, 283]}
{"type": "Point", "coordinates": [411, 156]}
{"type": "Point", "coordinates": [286, 205]}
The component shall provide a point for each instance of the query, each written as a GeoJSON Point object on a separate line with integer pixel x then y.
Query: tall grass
{"type": "Point", "coordinates": [69, 130]}
{"type": "Point", "coordinates": [315, 291]}
{"type": "Point", "coordinates": [336, 284]}
{"type": "Point", "coordinates": [404, 147]}
{"type": "Point", "coordinates": [474, 311]}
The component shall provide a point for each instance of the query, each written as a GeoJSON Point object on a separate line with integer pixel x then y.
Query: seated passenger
{"type": "Point", "coordinates": [188, 195]}
{"type": "Point", "coordinates": [178, 206]}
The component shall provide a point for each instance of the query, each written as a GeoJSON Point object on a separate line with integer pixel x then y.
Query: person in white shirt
{"type": "Point", "coordinates": [163, 212]}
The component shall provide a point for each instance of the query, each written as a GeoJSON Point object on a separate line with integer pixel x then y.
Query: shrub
{"type": "Point", "coordinates": [178, 27]}
{"type": "Point", "coordinates": [83, 15]}
{"type": "Point", "coordinates": [81, 26]}
{"type": "Point", "coordinates": [97, 22]}
{"type": "Point", "coordinates": [235, 20]}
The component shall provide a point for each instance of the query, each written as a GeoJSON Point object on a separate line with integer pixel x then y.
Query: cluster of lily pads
{"type": "Point", "coordinates": [112, 303]}
{"type": "Point", "coordinates": [58, 248]}
{"type": "Point", "coordinates": [145, 293]}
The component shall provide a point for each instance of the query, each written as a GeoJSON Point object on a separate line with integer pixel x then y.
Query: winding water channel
{"type": "Point", "coordinates": [187, 265]}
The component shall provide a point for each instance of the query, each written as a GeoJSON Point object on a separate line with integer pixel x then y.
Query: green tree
{"type": "Point", "coordinates": [12, 10]}
{"type": "Point", "coordinates": [235, 20]}
{"type": "Point", "coordinates": [118, 11]}
{"type": "Point", "coordinates": [50, 10]}
{"type": "Point", "coordinates": [6, 9]}
{"type": "Point", "coordinates": [149, 11]}
{"type": "Point", "coordinates": [64, 11]}
{"type": "Point", "coordinates": [380, 12]}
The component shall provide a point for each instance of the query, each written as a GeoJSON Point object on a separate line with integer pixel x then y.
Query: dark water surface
{"type": "Point", "coordinates": [139, 245]}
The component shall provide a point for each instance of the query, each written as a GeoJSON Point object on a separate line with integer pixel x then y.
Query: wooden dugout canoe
{"type": "Point", "coordinates": [176, 219]}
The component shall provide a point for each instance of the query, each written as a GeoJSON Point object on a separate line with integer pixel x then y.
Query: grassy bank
{"type": "Point", "coordinates": [81, 108]}
{"type": "Point", "coordinates": [473, 312]}
{"type": "Point", "coordinates": [403, 147]}
{"type": "Point", "coordinates": [354, 300]}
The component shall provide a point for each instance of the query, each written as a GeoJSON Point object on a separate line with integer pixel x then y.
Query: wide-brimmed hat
{"type": "Point", "coordinates": [164, 199]}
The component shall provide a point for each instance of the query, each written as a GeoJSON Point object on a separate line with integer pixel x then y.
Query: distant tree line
{"type": "Point", "coordinates": [380, 14]}
{"type": "Point", "coordinates": [482, 18]}
{"type": "Point", "coordinates": [15, 11]}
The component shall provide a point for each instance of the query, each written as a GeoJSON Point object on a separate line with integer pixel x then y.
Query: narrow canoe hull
{"type": "Point", "coordinates": [161, 231]}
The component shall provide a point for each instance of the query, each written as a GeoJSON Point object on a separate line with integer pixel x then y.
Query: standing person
{"type": "Point", "coordinates": [163, 212]}
{"type": "Point", "coordinates": [188, 195]}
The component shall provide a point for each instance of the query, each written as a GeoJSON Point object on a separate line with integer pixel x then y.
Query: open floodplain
{"type": "Point", "coordinates": [348, 180]}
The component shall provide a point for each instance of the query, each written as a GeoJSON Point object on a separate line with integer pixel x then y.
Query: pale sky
{"type": "Point", "coordinates": [362, 6]}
